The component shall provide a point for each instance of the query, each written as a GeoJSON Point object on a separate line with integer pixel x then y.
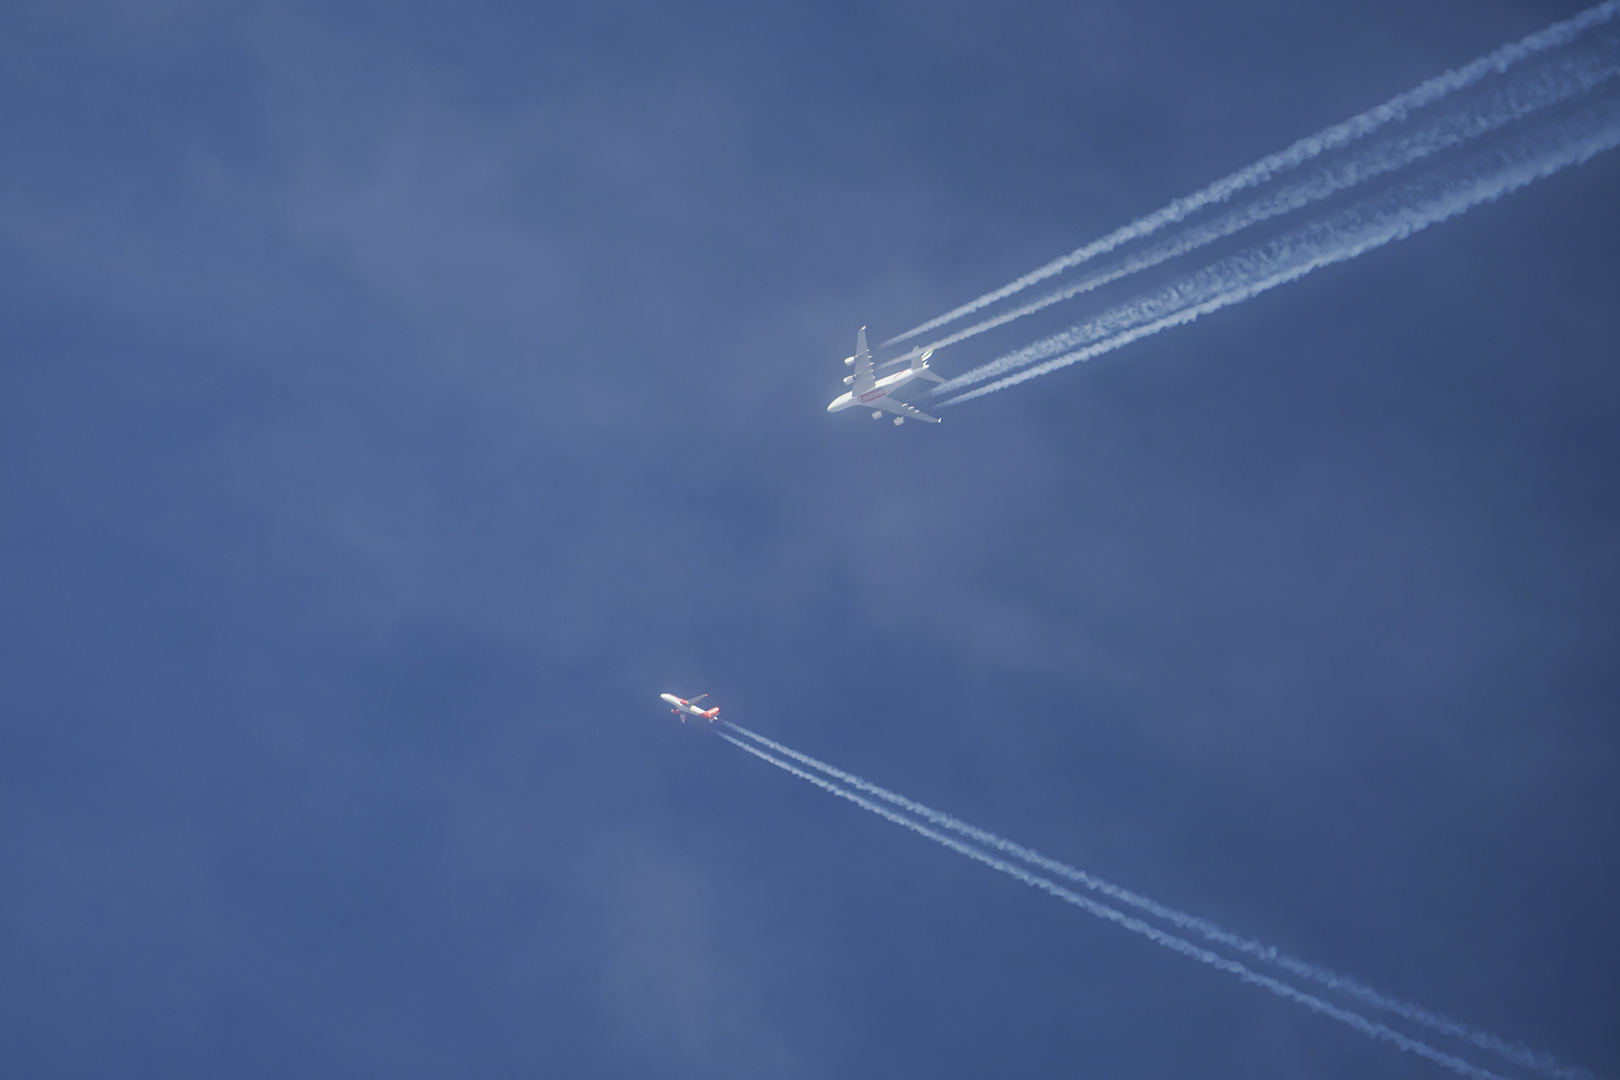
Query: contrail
{"type": "Point", "coordinates": [1512, 1052]}
{"type": "Point", "coordinates": [1532, 91]}
{"type": "Point", "coordinates": [1370, 1028]}
{"type": "Point", "coordinates": [1427, 200]}
{"type": "Point", "coordinates": [1396, 109]}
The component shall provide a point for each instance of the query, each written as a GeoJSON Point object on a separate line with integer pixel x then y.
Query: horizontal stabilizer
{"type": "Point", "coordinates": [914, 358]}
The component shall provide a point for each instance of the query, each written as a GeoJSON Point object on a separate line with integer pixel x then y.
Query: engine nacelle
{"type": "Point", "coordinates": [899, 420]}
{"type": "Point", "coordinates": [849, 361]}
{"type": "Point", "coordinates": [848, 379]}
{"type": "Point", "coordinates": [878, 415]}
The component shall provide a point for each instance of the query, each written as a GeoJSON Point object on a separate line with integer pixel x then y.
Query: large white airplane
{"type": "Point", "coordinates": [867, 389]}
{"type": "Point", "coordinates": [689, 708]}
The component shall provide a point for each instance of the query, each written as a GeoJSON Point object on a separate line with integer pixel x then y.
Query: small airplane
{"type": "Point", "coordinates": [867, 389]}
{"type": "Point", "coordinates": [689, 708]}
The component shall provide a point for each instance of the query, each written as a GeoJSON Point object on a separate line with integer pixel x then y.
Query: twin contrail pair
{"type": "Point", "coordinates": [978, 844]}
{"type": "Point", "coordinates": [1467, 137]}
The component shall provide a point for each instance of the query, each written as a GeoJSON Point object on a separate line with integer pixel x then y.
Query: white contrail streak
{"type": "Point", "coordinates": [1370, 1028]}
{"type": "Point", "coordinates": [1371, 223]}
{"type": "Point", "coordinates": [1512, 1052]}
{"type": "Point", "coordinates": [1470, 120]}
{"type": "Point", "coordinates": [1394, 110]}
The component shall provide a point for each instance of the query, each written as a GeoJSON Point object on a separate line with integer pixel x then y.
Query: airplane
{"type": "Point", "coordinates": [867, 389]}
{"type": "Point", "coordinates": [689, 708]}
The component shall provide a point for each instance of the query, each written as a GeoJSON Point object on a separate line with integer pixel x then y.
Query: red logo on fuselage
{"type": "Point", "coordinates": [870, 394]}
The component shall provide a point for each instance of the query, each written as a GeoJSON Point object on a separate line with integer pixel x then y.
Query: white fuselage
{"type": "Point", "coordinates": [684, 706]}
{"type": "Point", "coordinates": [881, 389]}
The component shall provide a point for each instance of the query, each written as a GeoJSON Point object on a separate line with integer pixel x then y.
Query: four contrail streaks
{"type": "Point", "coordinates": [1473, 135]}
{"type": "Point", "coordinates": [1427, 200]}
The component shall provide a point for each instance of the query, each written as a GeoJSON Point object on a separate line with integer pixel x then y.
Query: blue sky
{"type": "Point", "coordinates": [397, 398]}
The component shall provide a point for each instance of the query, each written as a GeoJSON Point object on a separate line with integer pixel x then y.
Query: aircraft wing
{"type": "Point", "coordinates": [904, 410]}
{"type": "Point", "coordinates": [864, 379]}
